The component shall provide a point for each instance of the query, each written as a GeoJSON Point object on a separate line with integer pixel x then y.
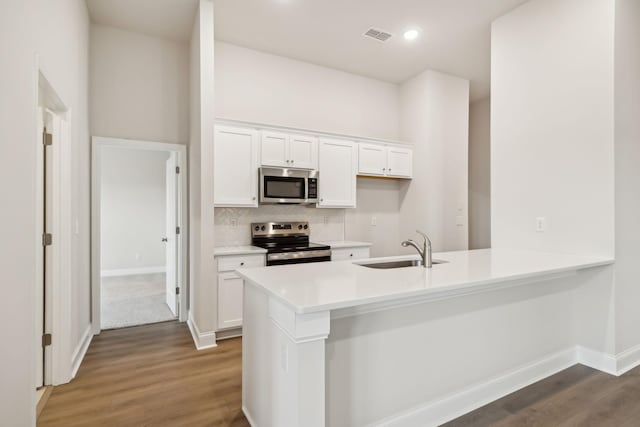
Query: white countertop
{"type": "Point", "coordinates": [339, 244]}
{"type": "Point", "coordinates": [322, 286]}
{"type": "Point", "coordinates": [238, 250]}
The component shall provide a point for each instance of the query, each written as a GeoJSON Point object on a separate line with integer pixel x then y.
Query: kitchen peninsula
{"type": "Point", "coordinates": [407, 342]}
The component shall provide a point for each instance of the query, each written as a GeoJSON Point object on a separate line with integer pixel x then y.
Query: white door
{"type": "Point", "coordinates": [171, 235]}
{"type": "Point", "coordinates": [372, 159]}
{"type": "Point", "coordinates": [45, 173]}
{"type": "Point", "coordinates": [338, 163]}
{"type": "Point", "coordinates": [235, 167]}
{"type": "Point", "coordinates": [303, 152]}
{"type": "Point", "coordinates": [400, 162]}
{"type": "Point", "coordinates": [275, 149]}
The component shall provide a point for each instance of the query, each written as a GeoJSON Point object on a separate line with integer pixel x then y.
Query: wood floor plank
{"type": "Point", "coordinates": [151, 376]}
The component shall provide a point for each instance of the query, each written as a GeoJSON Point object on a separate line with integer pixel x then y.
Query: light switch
{"type": "Point", "coordinates": [541, 224]}
{"type": "Point", "coordinates": [374, 221]}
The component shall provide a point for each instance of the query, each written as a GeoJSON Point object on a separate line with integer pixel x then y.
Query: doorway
{"type": "Point", "coordinates": [138, 252]}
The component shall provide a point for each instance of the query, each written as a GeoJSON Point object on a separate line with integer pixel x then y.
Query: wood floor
{"type": "Point", "coordinates": [151, 376]}
{"type": "Point", "coordinates": [578, 396]}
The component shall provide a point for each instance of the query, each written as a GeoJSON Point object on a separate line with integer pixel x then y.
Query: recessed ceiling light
{"type": "Point", "coordinates": [411, 34]}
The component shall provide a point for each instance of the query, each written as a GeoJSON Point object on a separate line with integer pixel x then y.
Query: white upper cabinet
{"type": "Point", "coordinates": [275, 149]}
{"type": "Point", "coordinates": [303, 152]}
{"type": "Point", "coordinates": [399, 162]}
{"type": "Point", "coordinates": [372, 159]}
{"type": "Point", "coordinates": [338, 165]}
{"type": "Point", "coordinates": [286, 150]}
{"type": "Point", "coordinates": [381, 160]}
{"type": "Point", "coordinates": [235, 167]}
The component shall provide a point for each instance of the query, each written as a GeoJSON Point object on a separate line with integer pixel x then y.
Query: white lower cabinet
{"type": "Point", "coordinates": [230, 288]}
{"type": "Point", "coordinates": [229, 300]}
{"type": "Point", "coordinates": [344, 254]}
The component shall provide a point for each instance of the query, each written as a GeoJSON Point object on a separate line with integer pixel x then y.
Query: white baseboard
{"type": "Point", "coordinates": [201, 340]}
{"type": "Point", "coordinates": [133, 271]}
{"type": "Point", "coordinates": [597, 360]}
{"type": "Point", "coordinates": [628, 360]}
{"type": "Point", "coordinates": [450, 407]}
{"type": "Point", "coordinates": [81, 351]}
{"type": "Point", "coordinates": [247, 415]}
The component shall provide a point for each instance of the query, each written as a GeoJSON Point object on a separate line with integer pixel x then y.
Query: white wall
{"type": "Point", "coordinates": [435, 118]}
{"type": "Point", "coordinates": [133, 208]}
{"type": "Point", "coordinates": [58, 33]}
{"type": "Point", "coordinates": [552, 127]}
{"type": "Point", "coordinates": [264, 88]}
{"type": "Point", "coordinates": [627, 154]}
{"type": "Point", "coordinates": [379, 199]}
{"type": "Point", "coordinates": [139, 86]}
{"type": "Point", "coordinates": [203, 304]}
{"type": "Point", "coordinates": [480, 174]}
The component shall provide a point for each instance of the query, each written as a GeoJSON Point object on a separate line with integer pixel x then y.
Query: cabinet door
{"type": "Point", "coordinates": [400, 162]}
{"type": "Point", "coordinates": [274, 149]}
{"type": "Point", "coordinates": [235, 167]}
{"type": "Point", "coordinates": [338, 163]}
{"type": "Point", "coordinates": [229, 300]}
{"type": "Point", "coordinates": [303, 152]}
{"type": "Point", "coordinates": [372, 159]}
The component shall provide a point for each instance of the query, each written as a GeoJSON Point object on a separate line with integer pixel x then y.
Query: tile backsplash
{"type": "Point", "coordinates": [233, 225]}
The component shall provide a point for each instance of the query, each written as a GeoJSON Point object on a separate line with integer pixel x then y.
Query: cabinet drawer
{"type": "Point", "coordinates": [231, 263]}
{"type": "Point", "coordinates": [344, 254]}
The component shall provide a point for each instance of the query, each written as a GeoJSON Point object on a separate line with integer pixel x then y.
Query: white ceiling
{"type": "Point", "coordinates": [455, 34]}
{"type": "Point", "coordinates": [168, 19]}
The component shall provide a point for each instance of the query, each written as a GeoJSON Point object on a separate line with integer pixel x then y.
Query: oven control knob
{"type": "Point", "coordinates": [257, 227]}
{"type": "Point", "coordinates": [299, 226]}
{"type": "Point", "coordinates": [306, 226]}
{"type": "Point", "coordinates": [262, 228]}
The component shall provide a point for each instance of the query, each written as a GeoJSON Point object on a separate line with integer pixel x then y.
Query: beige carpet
{"type": "Point", "coordinates": [133, 300]}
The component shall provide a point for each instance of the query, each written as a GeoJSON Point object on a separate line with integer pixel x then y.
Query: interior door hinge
{"type": "Point", "coordinates": [177, 169]}
{"type": "Point", "coordinates": [47, 239]}
{"type": "Point", "coordinates": [177, 291]}
{"type": "Point", "coordinates": [47, 138]}
{"type": "Point", "coordinates": [177, 230]}
{"type": "Point", "coordinates": [46, 340]}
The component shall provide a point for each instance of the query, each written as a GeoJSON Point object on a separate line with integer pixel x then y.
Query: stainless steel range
{"type": "Point", "coordinates": [288, 243]}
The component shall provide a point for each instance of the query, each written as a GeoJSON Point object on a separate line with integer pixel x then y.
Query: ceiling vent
{"type": "Point", "coordinates": [379, 35]}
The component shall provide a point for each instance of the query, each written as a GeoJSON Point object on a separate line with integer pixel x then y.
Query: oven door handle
{"type": "Point", "coordinates": [283, 256]}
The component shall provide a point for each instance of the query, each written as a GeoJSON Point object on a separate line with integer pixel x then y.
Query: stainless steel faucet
{"type": "Point", "coordinates": [425, 252]}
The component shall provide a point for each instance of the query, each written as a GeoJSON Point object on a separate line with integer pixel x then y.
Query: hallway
{"type": "Point", "coordinates": [151, 376]}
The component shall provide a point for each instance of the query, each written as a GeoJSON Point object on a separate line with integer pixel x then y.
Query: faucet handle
{"type": "Point", "coordinates": [424, 236]}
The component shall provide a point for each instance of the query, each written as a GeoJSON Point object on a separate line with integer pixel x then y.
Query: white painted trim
{"type": "Point", "coordinates": [628, 360]}
{"type": "Point", "coordinates": [133, 271]}
{"type": "Point", "coordinates": [311, 132]}
{"type": "Point", "coordinates": [81, 351]}
{"type": "Point", "coordinates": [247, 415]}
{"type": "Point", "coordinates": [98, 143]}
{"type": "Point", "coordinates": [201, 340]}
{"type": "Point", "coordinates": [597, 360]}
{"type": "Point", "coordinates": [457, 404]}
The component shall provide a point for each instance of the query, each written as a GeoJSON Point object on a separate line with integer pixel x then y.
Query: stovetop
{"type": "Point", "coordinates": [280, 237]}
{"type": "Point", "coordinates": [276, 247]}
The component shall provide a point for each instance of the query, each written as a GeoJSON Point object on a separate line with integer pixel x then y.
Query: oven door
{"type": "Point", "coordinates": [287, 186]}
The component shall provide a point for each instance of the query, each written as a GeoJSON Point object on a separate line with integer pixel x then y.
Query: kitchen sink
{"type": "Point", "coordinates": [398, 264]}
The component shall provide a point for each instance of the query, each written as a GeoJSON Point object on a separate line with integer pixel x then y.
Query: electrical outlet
{"type": "Point", "coordinates": [234, 222]}
{"type": "Point", "coordinates": [374, 221]}
{"type": "Point", "coordinates": [325, 220]}
{"type": "Point", "coordinates": [541, 224]}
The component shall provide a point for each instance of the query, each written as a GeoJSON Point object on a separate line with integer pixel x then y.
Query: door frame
{"type": "Point", "coordinates": [58, 363]}
{"type": "Point", "coordinates": [97, 145]}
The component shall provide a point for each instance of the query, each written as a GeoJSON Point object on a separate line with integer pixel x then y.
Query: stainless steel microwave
{"type": "Point", "coordinates": [288, 186]}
